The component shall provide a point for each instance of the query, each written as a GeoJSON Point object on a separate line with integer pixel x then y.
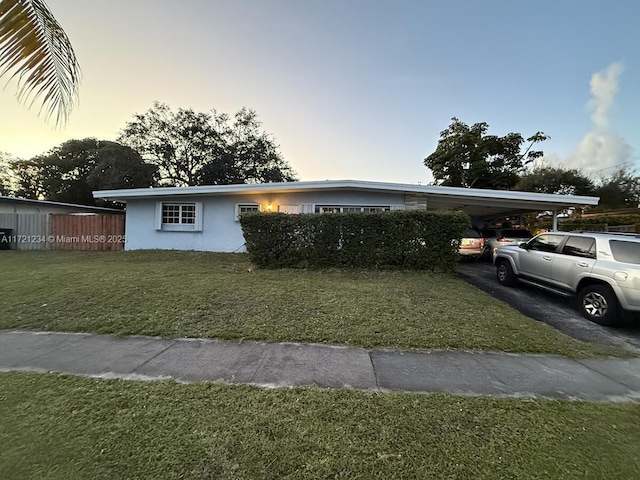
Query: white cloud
{"type": "Point", "coordinates": [600, 149]}
{"type": "Point", "coordinates": [604, 86]}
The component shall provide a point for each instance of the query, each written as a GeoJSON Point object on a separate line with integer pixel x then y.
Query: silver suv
{"type": "Point", "coordinates": [499, 237]}
{"type": "Point", "coordinates": [602, 269]}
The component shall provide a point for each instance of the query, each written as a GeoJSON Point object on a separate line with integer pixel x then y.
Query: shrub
{"type": "Point", "coordinates": [412, 239]}
{"type": "Point", "coordinates": [599, 223]}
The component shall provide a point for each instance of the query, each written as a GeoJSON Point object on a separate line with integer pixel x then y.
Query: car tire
{"type": "Point", "coordinates": [599, 304]}
{"type": "Point", "coordinates": [505, 273]}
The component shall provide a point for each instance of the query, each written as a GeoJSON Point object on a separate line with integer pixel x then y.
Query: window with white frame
{"type": "Point", "coordinates": [351, 208]}
{"type": "Point", "coordinates": [179, 216]}
{"type": "Point", "coordinates": [375, 209]}
{"type": "Point", "coordinates": [179, 213]}
{"type": "Point", "coordinates": [246, 208]}
{"type": "Point", "coordinates": [290, 209]}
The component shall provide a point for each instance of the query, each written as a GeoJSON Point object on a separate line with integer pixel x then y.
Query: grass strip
{"type": "Point", "coordinates": [191, 294]}
{"type": "Point", "coordinates": [60, 427]}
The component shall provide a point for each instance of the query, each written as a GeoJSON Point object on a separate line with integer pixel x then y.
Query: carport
{"type": "Point", "coordinates": [481, 204]}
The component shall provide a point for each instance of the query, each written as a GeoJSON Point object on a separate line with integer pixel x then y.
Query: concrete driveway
{"type": "Point", "coordinates": [559, 312]}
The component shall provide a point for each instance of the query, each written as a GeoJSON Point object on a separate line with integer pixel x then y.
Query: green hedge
{"type": "Point", "coordinates": [600, 222]}
{"type": "Point", "coordinates": [412, 239]}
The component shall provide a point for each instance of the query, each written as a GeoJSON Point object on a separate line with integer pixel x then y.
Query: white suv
{"type": "Point", "coordinates": [602, 269]}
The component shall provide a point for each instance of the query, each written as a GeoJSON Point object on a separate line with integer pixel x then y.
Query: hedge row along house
{"type": "Point", "coordinates": [205, 218]}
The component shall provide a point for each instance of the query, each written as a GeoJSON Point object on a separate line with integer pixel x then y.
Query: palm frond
{"type": "Point", "coordinates": [35, 49]}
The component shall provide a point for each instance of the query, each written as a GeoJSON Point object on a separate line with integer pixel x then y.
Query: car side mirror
{"type": "Point", "coordinates": [524, 246]}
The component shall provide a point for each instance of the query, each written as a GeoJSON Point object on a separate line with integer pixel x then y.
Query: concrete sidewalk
{"type": "Point", "coordinates": [293, 364]}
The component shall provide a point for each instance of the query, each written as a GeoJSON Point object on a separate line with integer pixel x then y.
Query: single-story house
{"type": "Point", "coordinates": [206, 217]}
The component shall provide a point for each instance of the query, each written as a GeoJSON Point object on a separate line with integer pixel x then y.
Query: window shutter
{"type": "Point", "coordinates": [158, 215]}
{"type": "Point", "coordinates": [198, 224]}
{"type": "Point", "coordinates": [307, 208]}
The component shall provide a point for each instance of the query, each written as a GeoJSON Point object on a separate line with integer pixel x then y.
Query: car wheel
{"type": "Point", "coordinates": [599, 304]}
{"type": "Point", "coordinates": [505, 273]}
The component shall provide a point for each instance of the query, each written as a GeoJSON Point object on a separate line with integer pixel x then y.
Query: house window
{"type": "Point", "coordinates": [290, 209]}
{"type": "Point", "coordinates": [179, 213]}
{"type": "Point", "coordinates": [327, 209]}
{"type": "Point", "coordinates": [351, 208]}
{"type": "Point", "coordinates": [375, 209]}
{"type": "Point", "coordinates": [246, 208]}
{"type": "Point", "coordinates": [179, 216]}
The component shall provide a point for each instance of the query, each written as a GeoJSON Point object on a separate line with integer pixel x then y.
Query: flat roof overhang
{"type": "Point", "coordinates": [73, 206]}
{"type": "Point", "coordinates": [480, 202]}
{"type": "Point", "coordinates": [484, 206]}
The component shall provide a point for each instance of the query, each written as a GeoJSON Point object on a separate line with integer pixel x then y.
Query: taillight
{"type": "Point", "coordinates": [502, 240]}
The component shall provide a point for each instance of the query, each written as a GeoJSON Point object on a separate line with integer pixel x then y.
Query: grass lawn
{"type": "Point", "coordinates": [190, 294]}
{"type": "Point", "coordinates": [57, 427]}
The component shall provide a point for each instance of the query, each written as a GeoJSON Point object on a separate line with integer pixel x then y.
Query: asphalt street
{"type": "Point", "coordinates": [559, 312]}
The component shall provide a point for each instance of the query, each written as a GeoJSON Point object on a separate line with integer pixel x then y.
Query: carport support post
{"type": "Point", "coordinates": [555, 221]}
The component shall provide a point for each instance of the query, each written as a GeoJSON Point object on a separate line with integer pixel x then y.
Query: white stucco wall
{"type": "Point", "coordinates": [220, 230]}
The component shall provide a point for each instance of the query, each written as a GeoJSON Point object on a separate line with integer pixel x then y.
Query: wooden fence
{"type": "Point", "coordinates": [86, 232]}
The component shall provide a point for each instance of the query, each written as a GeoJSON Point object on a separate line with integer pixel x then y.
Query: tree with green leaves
{"type": "Point", "coordinates": [194, 148]}
{"type": "Point", "coordinates": [248, 155]}
{"type": "Point", "coordinates": [72, 171]}
{"type": "Point", "coordinates": [467, 156]}
{"type": "Point", "coordinates": [548, 179]}
{"type": "Point", "coordinates": [7, 180]}
{"type": "Point", "coordinates": [36, 50]}
{"type": "Point", "coordinates": [621, 190]}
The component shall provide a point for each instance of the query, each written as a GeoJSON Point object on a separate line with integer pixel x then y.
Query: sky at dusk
{"type": "Point", "coordinates": [358, 89]}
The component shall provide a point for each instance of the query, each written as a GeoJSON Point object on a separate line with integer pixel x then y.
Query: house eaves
{"type": "Point", "coordinates": [438, 197]}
